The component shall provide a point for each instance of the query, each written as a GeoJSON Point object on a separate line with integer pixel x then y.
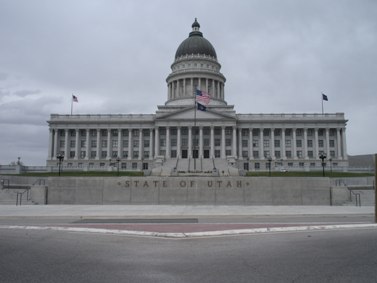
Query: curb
{"type": "Point", "coordinates": [195, 234]}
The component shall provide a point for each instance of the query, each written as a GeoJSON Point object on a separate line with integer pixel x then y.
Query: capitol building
{"type": "Point", "coordinates": [198, 133]}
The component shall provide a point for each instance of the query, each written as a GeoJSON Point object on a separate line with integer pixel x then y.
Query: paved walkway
{"type": "Point", "coordinates": [99, 216]}
{"type": "Point", "coordinates": [103, 211]}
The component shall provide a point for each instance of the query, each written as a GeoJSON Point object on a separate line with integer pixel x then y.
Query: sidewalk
{"type": "Point", "coordinates": [103, 211]}
{"type": "Point", "coordinates": [95, 219]}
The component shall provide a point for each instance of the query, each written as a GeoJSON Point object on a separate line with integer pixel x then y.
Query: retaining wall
{"type": "Point", "coordinates": [189, 190]}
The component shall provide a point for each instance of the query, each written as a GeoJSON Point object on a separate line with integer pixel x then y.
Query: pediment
{"type": "Point", "coordinates": [190, 113]}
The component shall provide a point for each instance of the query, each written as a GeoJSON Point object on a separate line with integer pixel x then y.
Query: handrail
{"type": "Point", "coordinates": [358, 197]}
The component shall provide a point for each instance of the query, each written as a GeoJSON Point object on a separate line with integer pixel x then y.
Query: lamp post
{"type": "Point", "coordinates": [60, 157]}
{"type": "Point", "coordinates": [118, 160]}
{"type": "Point", "coordinates": [269, 166]}
{"type": "Point", "coordinates": [323, 157]}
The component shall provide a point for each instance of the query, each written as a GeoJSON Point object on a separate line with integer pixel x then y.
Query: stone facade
{"type": "Point", "coordinates": [178, 133]}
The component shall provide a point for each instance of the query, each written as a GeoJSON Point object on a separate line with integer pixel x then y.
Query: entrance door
{"type": "Point", "coordinates": [184, 153]}
{"type": "Point", "coordinates": [206, 153]}
{"type": "Point", "coordinates": [195, 153]}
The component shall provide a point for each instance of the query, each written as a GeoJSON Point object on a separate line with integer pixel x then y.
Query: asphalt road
{"type": "Point", "coordinates": [321, 256]}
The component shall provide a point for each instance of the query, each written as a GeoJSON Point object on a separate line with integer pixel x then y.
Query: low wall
{"type": "Point", "coordinates": [189, 190]}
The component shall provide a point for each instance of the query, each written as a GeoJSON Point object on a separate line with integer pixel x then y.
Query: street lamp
{"type": "Point", "coordinates": [269, 166]}
{"type": "Point", "coordinates": [323, 157]}
{"type": "Point", "coordinates": [60, 157]}
{"type": "Point", "coordinates": [118, 160]}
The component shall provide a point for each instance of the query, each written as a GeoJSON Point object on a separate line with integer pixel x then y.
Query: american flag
{"type": "Point", "coordinates": [202, 96]}
{"type": "Point", "coordinates": [74, 98]}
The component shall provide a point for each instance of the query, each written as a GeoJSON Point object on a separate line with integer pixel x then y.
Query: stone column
{"type": "Point", "coordinates": [207, 88]}
{"type": "Point", "coordinates": [305, 147]}
{"type": "Point", "coordinates": [272, 143]}
{"type": "Point", "coordinates": [179, 142]}
{"type": "Point", "coordinates": [109, 146]}
{"type": "Point", "coordinates": [130, 145]}
{"type": "Point", "coordinates": [261, 147]}
{"type": "Point", "coordinates": [200, 142]}
{"type": "Point", "coordinates": [345, 156]}
{"type": "Point", "coordinates": [184, 87]}
{"type": "Point", "coordinates": [189, 142]}
{"type": "Point", "coordinates": [150, 143]}
{"type": "Point", "coordinates": [283, 155]}
{"type": "Point", "coordinates": [240, 143]}
{"type": "Point", "coordinates": [77, 152]}
{"type": "Point", "coordinates": [167, 147]}
{"type": "Point", "coordinates": [50, 144]}
{"type": "Point", "coordinates": [87, 154]}
{"type": "Point", "coordinates": [157, 143]}
{"type": "Point", "coordinates": [212, 142]}
{"type": "Point", "coordinates": [120, 143]}
{"type": "Point", "coordinates": [98, 155]}
{"type": "Point", "coordinates": [234, 142]}
{"type": "Point", "coordinates": [316, 152]}
{"type": "Point", "coordinates": [339, 145]}
{"type": "Point", "coordinates": [223, 142]}
{"type": "Point", "coordinates": [141, 144]}
{"type": "Point", "coordinates": [251, 153]}
{"type": "Point", "coordinates": [294, 148]}
{"type": "Point", "coordinates": [328, 143]}
{"type": "Point", "coordinates": [55, 150]}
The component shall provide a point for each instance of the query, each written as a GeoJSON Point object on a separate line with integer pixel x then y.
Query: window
{"type": "Point", "coordinates": [255, 143]}
{"type": "Point", "coordinates": [72, 133]}
{"type": "Point", "coordinates": [103, 154]}
{"type": "Point", "coordinates": [332, 143]}
{"type": "Point", "coordinates": [277, 143]}
{"type": "Point", "coordinates": [320, 143]}
{"type": "Point", "coordinates": [256, 154]}
{"type": "Point", "coordinates": [228, 131]}
{"type": "Point", "coordinates": [72, 143]}
{"type": "Point", "coordinates": [146, 143]}
{"type": "Point", "coordinates": [71, 154]}
{"type": "Point", "coordinates": [135, 143]}
{"type": "Point", "coordinates": [301, 164]}
{"type": "Point", "coordinates": [125, 133]}
{"type": "Point", "coordinates": [83, 133]}
{"type": "Point", "coordinates": [62, 143]}
{"type": "Point", "coordinates": [299, 132]}
{"type": "Point", "coordinates": [93, 133]}
{"type": "Point", "coordinates": [162, 142]}
{"type": "Point", "coordinates": [82, 154]}
{"type": "Point", "coordinates": [134, 165]}
{"type": "Point", "coordinates": [245, 132]}
{"type": "Point", "coordinates": [173, 142]}
{"type": "Point", "coordinates": [256, 166]}
{"type": "Point", "coordinates": [123, 165]}
{"type": "Point", "coordinates": [184, 141]}
{"type": "Point", "coordinates": [145, 166]}
{"type": "Point", "coordinates": [125, 143]}
{"type": "Point", "coordinates": [135, 154]}
{"type": "Point", "coordinates": [83, 143]}
{"type": "Point", "coordinates": [114, 133]}
{"type": "Point", "coordinates": [114, 154]}
{"type": "Point", "coordinates": [217, 142]}
{"type": "Point", "coordinates": [288, 143]}
{"type": "Point", "coordinates": [146, 154]}
{"type": "Point", "coordinates": [104, 143]}
{"type": "Point", "coordinates": [310, 154]}
{"type": "Point", "coordinates": [206, 142]}
{"type": "Point", "coordinates": [244, 153]}
{"type": "Point", "coordinates": [228, 152]}
{"type": "Point", "coordinates": [135, 133]}
{"type": "Point", "coordinates": [93, 143]}
{"type": "Point", "coordinates": [299, 143]}
{"type": "Point", "coordinates": [277, 153]}
{"type": "Point", "coordinates": [114, 143]}
{"type": "Point", "coordinates": [173, 153]}
{"type": "Point", "coordinates": [299, 153]}
{"type": "Point", "coordinates": [125, 154]}
{"type": "Point", "coordinates": [288, 154]}
{"type": "Point", "coordinates": [310, 143]}
{"type": "Point", "coordinates": [332, 153]}
{"type": "Point", "coordinates": [104, 133]}
{"type": "Point", "coordinates": [245, 143]}
{"type": "Point", "coordinates": [266, 143]}
{"type": "Point", "coordinates": [228, 142]}
{"type": "Point", "coordinates": [93, 154]}
{"type": "Point", "coordinates": [310, 132]}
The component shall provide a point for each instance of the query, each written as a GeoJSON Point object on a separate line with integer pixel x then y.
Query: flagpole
{"type": "Point", "coordinates": [196, 106]}
{"type": "Point", "coordinates": [322, 103]}
{"type": "Point", "coordinates": [71, 104]}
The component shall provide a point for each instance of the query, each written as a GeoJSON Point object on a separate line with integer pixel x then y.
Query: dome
{"type": "Point", "coordinates": [195, 44]}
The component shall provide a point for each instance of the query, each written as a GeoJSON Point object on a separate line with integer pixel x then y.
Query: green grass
{"type": "Point", "coordinates": [308, 174]}
{"type": "Point", "coordinates": [85, 174]}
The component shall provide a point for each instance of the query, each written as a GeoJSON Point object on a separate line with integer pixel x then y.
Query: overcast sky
{"type": "Point", "coordinates": [278, 57]}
